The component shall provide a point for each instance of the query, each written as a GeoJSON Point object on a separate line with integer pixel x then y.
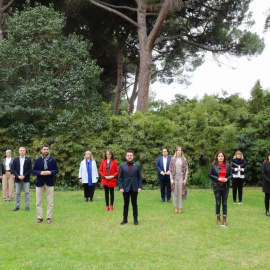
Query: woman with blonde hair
{"type": "Point", "coordinates": [238, 166]}
{"type": "Point", "coordinates": [88, 175]}
{"type": "Point", "coordinates": [179, 171]}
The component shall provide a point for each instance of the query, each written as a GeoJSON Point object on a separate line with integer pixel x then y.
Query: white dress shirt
{"type": "Point", "coordinates": [8, 160]}
{"type": "Point", "coordinates": [165, 164]}
{"type": "Point", "coordinates": [22, 159]}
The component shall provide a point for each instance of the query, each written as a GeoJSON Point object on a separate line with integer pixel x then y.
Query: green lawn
{"type": "Point", "coordinates": [84, 236]}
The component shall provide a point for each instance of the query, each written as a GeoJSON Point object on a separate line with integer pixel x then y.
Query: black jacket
{"type": "Point", "coordinates": [214, 172]}
{"type": "Point", "coordinates": [266, 177]}
{"type": "Point", "coordinates": [234, 166]}
{"type": "Point", "coordinates": [127, 179]}
{"type": "Point", "coordinates": [27, 169]}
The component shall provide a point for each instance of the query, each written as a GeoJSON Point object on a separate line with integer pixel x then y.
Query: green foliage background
{"type": "Point", "coordinates": [48, 92]}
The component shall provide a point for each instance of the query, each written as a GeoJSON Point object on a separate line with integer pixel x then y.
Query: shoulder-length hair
{"type": "Point", "coordinates": [110, 151]}
{"type": "Point", "coordinates": [216, 157]}
{"type": "Point", "coordinates": [89, 152]}
{"type": "Point", "coordinates": [182, 154]}
{"type": "Point", "coordinates": [238, 153]}
{"type": "Point", "coordinates": [267, 158]}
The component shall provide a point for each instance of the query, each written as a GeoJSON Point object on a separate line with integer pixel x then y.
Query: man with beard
{"type": "Point", "coordinates": [130, 183]}
{"type": "Point", "coordinates": [45, 167]}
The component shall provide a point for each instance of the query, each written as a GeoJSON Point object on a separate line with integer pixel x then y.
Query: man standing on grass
{"type": "Point", "coordinates": [162, 166]}
{"type": "Point", "coordinates": [22, 168]}
{"type": "Point", "coordinates": [45, 167]}
{"type": "Point", "coordinates": [130, 183]}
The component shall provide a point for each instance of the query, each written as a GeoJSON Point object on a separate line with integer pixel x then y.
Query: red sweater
{"type": "Point", "coordinates": [222, 173]}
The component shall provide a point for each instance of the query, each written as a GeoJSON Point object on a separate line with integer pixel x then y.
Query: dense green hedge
{"type": "Point", "coordinates": [201, 127]}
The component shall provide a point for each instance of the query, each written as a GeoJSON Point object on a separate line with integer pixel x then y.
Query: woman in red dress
{"type": "Point", "coordinates": [109, 171]}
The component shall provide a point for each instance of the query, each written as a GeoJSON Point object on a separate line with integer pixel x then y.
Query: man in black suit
{"type": "Point", "coordinates": [130, 183]}
{"type": "Point", "coordinates": [22, 168]}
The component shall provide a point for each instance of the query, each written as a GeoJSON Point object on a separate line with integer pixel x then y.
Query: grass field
{"type": "Point", "coordinates": [84, 236]}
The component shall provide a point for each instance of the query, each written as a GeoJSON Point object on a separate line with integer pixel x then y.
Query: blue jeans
{"type": "Point", "coordinates": [221, 196]}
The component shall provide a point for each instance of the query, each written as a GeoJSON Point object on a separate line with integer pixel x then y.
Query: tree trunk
{"type": "Point", "coordinates": [2, 10]}
{"type": "Point", "coordinates": [119, 79]}
{"type": "Point", "coordinates": [134, 92]}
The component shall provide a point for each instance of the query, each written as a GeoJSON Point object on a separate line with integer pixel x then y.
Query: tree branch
{"type": "Point", "coordinates": [102, 5]}
{"type": "Point", "coordinates": [160, 39]}
{"type": "Point", "coordinates": [7, 6]}
{"type": "Point", "coordinates": [114, 6]}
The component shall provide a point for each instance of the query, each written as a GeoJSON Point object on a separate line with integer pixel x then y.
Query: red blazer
{"type": "Point", "coordinates": [113, 171]}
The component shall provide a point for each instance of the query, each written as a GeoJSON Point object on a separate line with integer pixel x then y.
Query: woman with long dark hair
{"type": "Point", "coordinates": [220, 173]}
{"type": "Point", "coordinates": [266, 183]}
{"type": "Point", "coordinates": [109, 171]}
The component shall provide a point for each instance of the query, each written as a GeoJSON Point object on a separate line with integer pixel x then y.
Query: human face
{"type": "Point", "coordinates": [129, 156]}
{"type": "Point", "coordinates": [45, 151]}
{"type": "Point", "coordinates": [164, 152]}
{"type": "Point", "coordinates": [239, 156]}
{"type": "Point", "coordinates": [108, 155]}
{"type": "Point", "coordinates": [179, 152]}
{"type": "Point", "coordinates": [8, 154]}
{"type": "Point", "coordinates": [88, 155]}
{"type": "Point", "coordinates": [220, 158]}
{"type": "Point", "coordinates": [22, 151]}
{"type": "Point", "coordinates": [269, 158]}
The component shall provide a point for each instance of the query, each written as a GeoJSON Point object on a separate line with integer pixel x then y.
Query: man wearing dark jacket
{"type": "Point", "coordinates": [130, 183]}
{"type": "Point", "coordinates": [22, 168]}
{"type": "Point", "coordinates": [45, 168]}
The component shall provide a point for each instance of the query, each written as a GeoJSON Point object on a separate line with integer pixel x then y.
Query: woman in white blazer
{"type": "Point", "coordinates": [88, 175]}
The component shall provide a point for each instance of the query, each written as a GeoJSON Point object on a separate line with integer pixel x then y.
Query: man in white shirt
{"type": "Point", "coordinates": [7, 177]}
{"type": "Point", "coordinates": [162, 165]}
{"type": "Point", "coordinates": [22, 168]}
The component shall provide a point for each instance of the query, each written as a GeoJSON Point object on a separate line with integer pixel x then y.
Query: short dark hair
{"type": "Point", "coordinates": [165, 149]}
{"type": "Point", "coordinates": [45, 145]}
{"type": "Point", "coordinates": [110, 151]}
{"type": "Point", "coordinates": [129, 151]}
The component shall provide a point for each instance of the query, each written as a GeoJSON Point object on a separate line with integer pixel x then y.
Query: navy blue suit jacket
{"type": "Point", "coordinates": [160, 167]}
{"type": "Point", "coordinates": [126, 180]}
{"type": "Point", "coordinates": [39, 167]}
{"type": "Point", "coordinates": [27, 169]}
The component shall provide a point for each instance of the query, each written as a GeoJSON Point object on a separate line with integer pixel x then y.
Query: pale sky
{"type": "Point", "coordinates": [235, 75]}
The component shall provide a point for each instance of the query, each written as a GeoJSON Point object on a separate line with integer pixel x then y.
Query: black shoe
{"type": "Point", "coordinates": [267, 213]}
{"type": "Point", "coordinates": [168, 201]}
{"type": "Point", "coordinates": [86, 199]}
{"type": "Point", "coordinates": [27, 208]}
{"type": "Point", "coordinates": [91, 200]}
{"type": "Point", "coordinates": [16, 208]}
{"type": "Point", "coordinates": [162, 200]}
{"type": "Point", "coordinates": [123, 222]}
{"type": "Point", "coordinates": [136, 222]}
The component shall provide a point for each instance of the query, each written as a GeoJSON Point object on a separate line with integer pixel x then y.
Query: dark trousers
{"type": "Point", "coordinates": [237, 184]}
{"type": "Point", "coordinates": [221, 196]}
{"type": "Point", "coordinates": [88, 191]}
{"type": "Point", "coordinates": [266, 201]}
{"type": "Point", "coordinates": [133, 196]}
{"type": "Point", "coordinates": [107, 190]}
{"type": "Point", "coordinates": [165, 184]}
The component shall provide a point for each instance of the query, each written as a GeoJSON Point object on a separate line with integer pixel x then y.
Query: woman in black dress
{"type": "Point", "coordinates": [266, 183]}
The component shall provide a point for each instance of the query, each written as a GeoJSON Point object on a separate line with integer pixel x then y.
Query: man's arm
{"type": "Point", "coordinates": [120, 179]}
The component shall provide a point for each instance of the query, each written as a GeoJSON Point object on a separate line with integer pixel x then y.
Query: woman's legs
{"type": "Point", "coordinates": [112, 194]}
{"type": "Point", "coordinates": [106, 189]}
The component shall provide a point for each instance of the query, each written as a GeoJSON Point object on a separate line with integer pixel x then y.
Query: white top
{"type": "Point", "coordinates": [8, 160]}
{"type": "Point", "coordinates": [22, 159]}
{"type": "Point", "coordinates": [83, 174]}
{"type": "Point", "coordinates": [165, 164]}
{"type": "Point", "coordinates": [238, 173]}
